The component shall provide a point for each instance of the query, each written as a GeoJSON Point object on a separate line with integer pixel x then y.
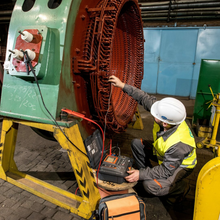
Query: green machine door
{"type": "Point", "coordinates": [209, 75]}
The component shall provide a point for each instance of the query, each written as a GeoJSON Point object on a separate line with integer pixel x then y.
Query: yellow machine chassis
{"type": "Point", "coordinates": [82, 206]}
{"type": "Point", "coordinates": [207, 198]}
{"type": "Point", "coordinates": [211, 142]}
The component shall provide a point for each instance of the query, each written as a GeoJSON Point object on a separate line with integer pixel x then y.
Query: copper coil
{"type": "Point", "coordinates": [114, 46]}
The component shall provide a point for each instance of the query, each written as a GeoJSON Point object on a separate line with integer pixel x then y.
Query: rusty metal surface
{"type": "Point", "coordinates": [112, 45]}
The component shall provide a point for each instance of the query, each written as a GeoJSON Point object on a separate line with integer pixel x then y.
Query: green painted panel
{"type": "Point", "coordinates": [20, 95]}
{"type": "Point", "coordinates": [209, 75]}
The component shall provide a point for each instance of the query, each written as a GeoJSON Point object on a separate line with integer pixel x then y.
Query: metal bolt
{"type": "Point", "coordinates": [83, 17]}
{"type": "Point", "coordinates": [11, 51]}
{"type": "Point", "coordinates": [77, 50]}
{"type": "Point", "coordinates": [21, 33]}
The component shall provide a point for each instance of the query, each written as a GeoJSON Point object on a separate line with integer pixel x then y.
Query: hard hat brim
{"type": "Point", "coordinates": [154, 112]}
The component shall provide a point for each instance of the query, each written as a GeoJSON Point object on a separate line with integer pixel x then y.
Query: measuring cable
{"type": "Point", "coordinates": [28, 64]}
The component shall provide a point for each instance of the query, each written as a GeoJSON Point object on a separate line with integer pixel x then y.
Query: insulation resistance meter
{"type": "Point", "coordinates": [114, 168]}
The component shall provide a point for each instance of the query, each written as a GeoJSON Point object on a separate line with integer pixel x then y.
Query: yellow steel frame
{"type": "Point", "coordinates": [82, 206]}
{"type": "Point", "coordinates": [207, 198]}
{"type": "Point", "coordinates": [211, 142]}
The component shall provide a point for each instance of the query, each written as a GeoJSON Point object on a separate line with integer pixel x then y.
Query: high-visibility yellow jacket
{"type": "Point", "coordinates": [175, 147]}
{"type": "Point", "coordinates": [182, 134]}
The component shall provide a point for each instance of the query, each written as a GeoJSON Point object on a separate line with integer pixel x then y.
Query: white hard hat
{"type": "Point", "coordinates": [169, 110]}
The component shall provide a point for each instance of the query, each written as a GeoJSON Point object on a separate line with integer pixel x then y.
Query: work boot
{"type": "Point", "coordinates": [172, 200]}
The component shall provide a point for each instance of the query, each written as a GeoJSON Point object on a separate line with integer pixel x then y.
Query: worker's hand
{"type": "Point", "coordinates": [133, 177]}
{"type": "Point", "coordinates": [116, 82]}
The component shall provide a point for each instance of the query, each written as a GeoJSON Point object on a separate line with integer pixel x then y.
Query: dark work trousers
{"type": "Point", "coordinates": [172, 186]}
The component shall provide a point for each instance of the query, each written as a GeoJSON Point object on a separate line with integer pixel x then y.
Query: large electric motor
{"type": "Point", "coordinates": [113, 45]}
{"type": "Point", "coordinates": [74, 47]}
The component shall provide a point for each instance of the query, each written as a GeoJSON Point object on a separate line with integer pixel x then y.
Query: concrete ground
{"type": "Point", "coordinates": [34, 153]}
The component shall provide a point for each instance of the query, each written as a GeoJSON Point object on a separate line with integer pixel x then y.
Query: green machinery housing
{"type": "Point", "coordinates": [71, 46]}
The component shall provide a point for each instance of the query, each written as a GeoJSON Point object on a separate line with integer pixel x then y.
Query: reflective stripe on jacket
{"type": "Point", "coordinates": [182, 134]}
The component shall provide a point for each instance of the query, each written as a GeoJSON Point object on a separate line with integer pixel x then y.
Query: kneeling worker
{"type": "Point", "coordinates": [173, 148]}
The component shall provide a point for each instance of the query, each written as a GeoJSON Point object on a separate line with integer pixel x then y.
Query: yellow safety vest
{"type": "Point", "coordinates": [182, 134]}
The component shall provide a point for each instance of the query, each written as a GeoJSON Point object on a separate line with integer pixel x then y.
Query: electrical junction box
{"type": "Point", "coordinates": [39, 46]}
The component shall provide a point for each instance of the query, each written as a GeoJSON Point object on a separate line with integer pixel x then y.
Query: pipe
{"type": "Point", "coordinates": [181, 6]}
{"type": "Point", "coordinates": [158, 3]}
{"type": "Point", "coordinates": [181, 18]}
{"type": "Point", "coordinates": [185, 10]}
{"type": "Point", "coordinates": [5, 18]}
{"type": "Point", "coordinates": [177, 14]}
{"type": "Point", "coordinates": [5, 12]}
